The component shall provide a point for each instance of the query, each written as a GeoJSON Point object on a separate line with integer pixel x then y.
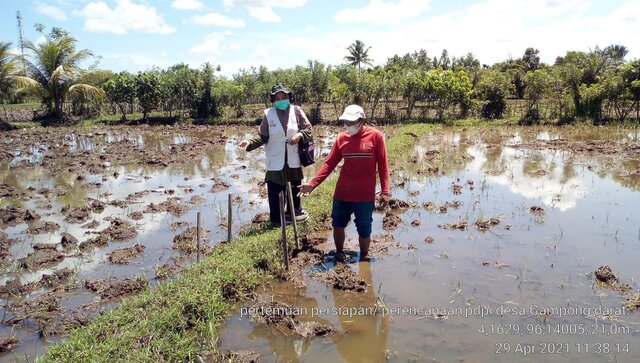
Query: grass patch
{"type": "Point", "coordinates": [178, 319]}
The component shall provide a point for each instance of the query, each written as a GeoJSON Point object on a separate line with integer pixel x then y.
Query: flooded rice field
{"type": "Point", "coordinates": [501, 244]}
{"type": "Point", "coordinates": [511, 245]}
{"type": "Point", "coordinates": [90, 216]}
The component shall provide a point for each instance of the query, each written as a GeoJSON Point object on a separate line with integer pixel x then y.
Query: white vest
{"type": "Point", "coordinates": [275, 148]}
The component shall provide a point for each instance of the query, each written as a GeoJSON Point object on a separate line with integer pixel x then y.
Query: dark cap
{"type": "Point", "coordinates": [279, 88]}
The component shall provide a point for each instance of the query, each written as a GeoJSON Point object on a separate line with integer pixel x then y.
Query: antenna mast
{"type": "Point", "coordinates": [20, 39]}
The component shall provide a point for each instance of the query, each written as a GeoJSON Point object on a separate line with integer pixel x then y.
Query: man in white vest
{"type": "Point", "coordinates": [282, 128]}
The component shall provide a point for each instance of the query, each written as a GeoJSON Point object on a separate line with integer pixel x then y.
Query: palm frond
{"type": "Point", "coordinates": [86, 90]}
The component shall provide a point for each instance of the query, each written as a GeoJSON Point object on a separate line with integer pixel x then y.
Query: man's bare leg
{"type": "Point", "coordinates": [338, 237]}
{"type": "Point", "coordinates": [364, 247]}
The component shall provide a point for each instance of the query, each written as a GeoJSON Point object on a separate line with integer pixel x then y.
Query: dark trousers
{"type": "Point", "coordinates": [273, 190]}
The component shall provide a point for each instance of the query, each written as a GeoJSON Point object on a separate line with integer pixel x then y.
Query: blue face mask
{"type": "Point", "coordinates": [282, 104]}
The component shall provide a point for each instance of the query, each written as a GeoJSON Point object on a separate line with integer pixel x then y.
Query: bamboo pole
{"type": "Point", "coordinates": [283, 227]}
{"type": "Point", "coordinates": [292, 213]}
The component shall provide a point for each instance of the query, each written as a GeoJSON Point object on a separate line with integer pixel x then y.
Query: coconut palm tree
{"type": "Point", "coordinates": [8, 70]}
{"type": "Point", "coordinates": [53, 70]}
{"type": "Point", "coordinates": [358, 54]}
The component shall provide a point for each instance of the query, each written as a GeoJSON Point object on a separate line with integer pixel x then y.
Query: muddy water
{"type": "Point", "coordinates": [522, 291]}
{"type": "Point", "coordinates": [185, 179]}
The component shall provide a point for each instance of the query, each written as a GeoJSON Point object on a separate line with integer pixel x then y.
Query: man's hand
{"type": "Point", "coordinates": [244, 144]}
{"type": "Point", "coordinates": [295, 138]}
{"type": "Point", "coordinates": [383, 199]}
{"type": "Point", "coordinates": [305, 189]}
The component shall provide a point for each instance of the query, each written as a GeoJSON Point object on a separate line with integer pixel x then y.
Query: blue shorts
{"type": "Point", "coordinates": [363, 211]}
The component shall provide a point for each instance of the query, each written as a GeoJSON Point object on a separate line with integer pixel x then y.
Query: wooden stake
{"type": "Point", "coordinates": [198, 238]}
{"type": "Point", "coordinates": [229, 219]}
{"type": "Point", "coordinates": [292, 212]}
{"type": "Point", "coordinates": [283, 227]}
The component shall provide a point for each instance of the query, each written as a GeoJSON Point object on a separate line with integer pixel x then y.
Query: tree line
{"type": "Point", "coordinates": [598, 84]}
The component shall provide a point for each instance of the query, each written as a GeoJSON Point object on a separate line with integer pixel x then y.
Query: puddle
{"type": "Point", "coordinates": [542, 210]}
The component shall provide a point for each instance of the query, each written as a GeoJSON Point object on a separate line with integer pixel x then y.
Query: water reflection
{"type": "Point", "coordinates": [363, 337]}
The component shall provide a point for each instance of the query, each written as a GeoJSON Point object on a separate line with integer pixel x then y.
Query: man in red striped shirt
{"type": "Point", "coordinates": [363, 150]}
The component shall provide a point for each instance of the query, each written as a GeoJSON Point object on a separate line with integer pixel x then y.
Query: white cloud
{"type": "Point", "coordinates": [212, 45]}
{"type": "Point", "coordinates": [125, 16]}
{"type": "Point", "coordinates": [381, 12]}
{"type": "Point", "coordinates": [265, 14]}
{"type": "Point", "coordinates": [187, 4]}
{"type": "Point", "coordinates": [51, 11]}
{"type": "Point", "coordinates": [260, 52]}
{"type": "Point", "coordinates": [218, 20]}
{"type": "Point", "coordinates": [263, 9]}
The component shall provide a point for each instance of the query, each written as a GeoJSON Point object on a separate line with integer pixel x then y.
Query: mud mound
{"type": "Point", "coordinates": [537, 211]}
{"type": "Point", "coordinates": [120, 230]}
{"type": "Point", "coordinates": [57, 278]}
{"type": "Point", "coordinates": [126, 255]}
{"type": "Point", "coordinates": [307, 329]}
{"type": "Point", "coordinates": [260, 218]}
{"type": "Point", "coordinates": [429, 206]}
{"type": "Point", "coordinates": [391, 221]}
{"type": "Point", "coordinates": [13, 216]}
{"type": "Point", "coordinates": [243, 356]}
{"type": "Point", "coordinates": [219, 186]}
{"type": "Point", "coordinates": [98, 206]}
{"type": "Point", "coordinates": [342, 277]}
{"type": "Point", "coordinates": [39, 259]}
{"type": "Point", "coordinates": [67, 324]}
{"type": "Point", "coordinates": [461, 225]}
{"type": "Point", "coordinates": [273, 313]}
{"type": "Point", "coordinates": [394, 204]}
{"type": "Point", "coordinates": [633, 302]}
{"type": "Point", "coordinates": [380, 244]}
{"type": "Point", "coordinates": [485, 225]}
{"type": "Point", "coordinates": [171, 205]}
{"type": "Point", "coordinates": [5, 244]}
{"type": "Point", "coordinates": [456, 189]}
{"type": "Point", "coordinates": [39, 227]}
{"type": "Point", "coordinates": [196, 199]}
{"type": "Point", "coordinates": [112, 288]}
{"type": "Point", "coordinates": [91, 225]}
{"type": "Point", "coordinates": [100, 240]}
{"type": "Point", "coordinates": [606, 275]}
{"type": "Point", "coordinates": [187, 241]}
{"type": "Point", "coordinates": [44, 246]}
{"type": "Point", "coordinates": [14, 288]}
{"type": "Point", "coordinates": [40, 309]}
{"type": "Point", "coordinates": [167, 270]}
{"type": "Point", "coordinates": [8, 344]}
{"type": "Point", "coordinates": [136, 216]}
{"type": "Point", "coordinates": [177, 225]}
{"type": "Point", "coordinates": [76, 215]}
{"type": "Point", "coordinates": [7, 191]}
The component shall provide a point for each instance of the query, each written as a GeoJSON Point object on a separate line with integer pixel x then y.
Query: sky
{"type": "Point", "coordinates": [136, 35]}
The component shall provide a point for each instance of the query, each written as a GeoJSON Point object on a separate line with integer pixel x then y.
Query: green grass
{"type": "Point", "coordinates": [178, 319]}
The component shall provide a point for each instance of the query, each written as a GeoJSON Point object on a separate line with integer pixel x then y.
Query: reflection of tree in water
{"type": "Point", "coordinates": [568, 169]}
{"type": "Point", "coordinates": [632, 179]}
{"type": "Point", "coordinates": [533, 166]}
{"type": "Point", "coordinates": [494, 162]}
